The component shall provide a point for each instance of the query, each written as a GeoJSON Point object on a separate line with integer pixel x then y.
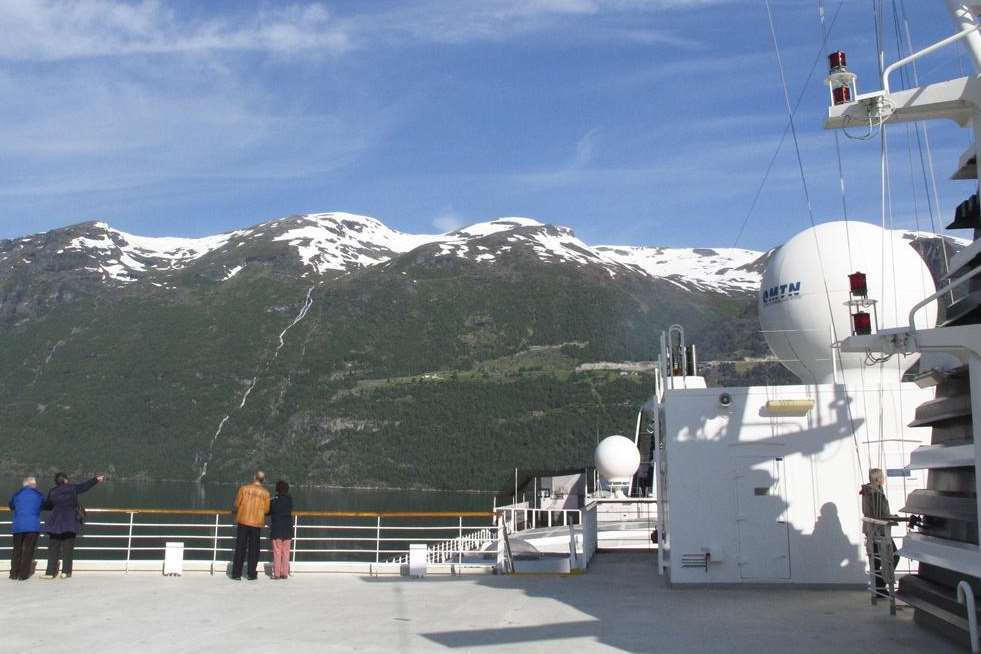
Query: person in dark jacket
{"type": "Point", "coordinates": [64, 523]}
{"type": "Point", "coordinates": [26, 505]}
{"type": "Point", "coordinates": [281, 529]}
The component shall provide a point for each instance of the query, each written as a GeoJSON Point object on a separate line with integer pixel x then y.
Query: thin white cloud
{"type": "Point", "coordinates": [456, 23]}
{"type": "Point", "coordinates": [52, 30]}
{"type": "Point", "coordinates": [48, 30]}
{"type": "Point", "coordinates": [584, 148]}
{"type": "Point", "coordinates": [448, 220]}
{"type": "Point", "coordinates": [101, 130]}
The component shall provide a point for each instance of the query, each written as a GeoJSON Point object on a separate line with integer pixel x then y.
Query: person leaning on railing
{"type": "Point", "coordinates": [26, 505]}
{"type": "Point", "coordinates": [64, 522]}
{"type": "Point", "coordinates": [251, 507]}
{"type": "Point", "coordinates": [281, 529]}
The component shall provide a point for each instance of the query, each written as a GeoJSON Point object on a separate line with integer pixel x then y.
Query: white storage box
{"type": "Point", "coordinates": [174, 559]}
{"type": "Point", "coordinates": [417, 559]}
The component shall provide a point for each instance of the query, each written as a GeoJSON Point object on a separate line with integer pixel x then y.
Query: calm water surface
{"type": "Point", "coordinates": [188, 495]}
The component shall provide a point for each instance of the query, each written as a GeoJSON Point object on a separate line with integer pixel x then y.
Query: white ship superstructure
{"type": "Point", "coordinates": [760, 484]}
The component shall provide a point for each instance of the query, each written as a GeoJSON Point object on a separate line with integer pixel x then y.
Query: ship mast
{"type": "Point", "coordinates": [964, 19]}
{"type": "Point", "coordinates": [946, 545]}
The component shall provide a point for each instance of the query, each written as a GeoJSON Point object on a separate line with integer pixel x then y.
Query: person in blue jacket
{"type": "Point", "coordinates": [64, 522]}
{"type": "Point", "coordinates": [26, 505]}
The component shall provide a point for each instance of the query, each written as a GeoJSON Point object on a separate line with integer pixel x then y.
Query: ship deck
{"type": "Point", "coordinates": [619, 605]}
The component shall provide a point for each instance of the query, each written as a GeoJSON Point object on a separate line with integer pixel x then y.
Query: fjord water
{"type": "Point", "coordinates": [190, 495]}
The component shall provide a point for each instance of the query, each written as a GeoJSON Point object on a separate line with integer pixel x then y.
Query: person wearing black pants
{"type": "Point", "coordinates": [22, 557]}
{"type": "Point", "coordinates": [251, 507]}
{"type": "Point", "coordinates": [26, 505]}
{"type": "Point", "coordinates": [61, 547]}
{"type": "Point", "coordinates": [64, 522]}
{"type": "Point", "coordinates": [246, 547]}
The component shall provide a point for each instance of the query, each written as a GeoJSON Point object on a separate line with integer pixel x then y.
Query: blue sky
{"type": "Point", "coordinates": [645, 122]}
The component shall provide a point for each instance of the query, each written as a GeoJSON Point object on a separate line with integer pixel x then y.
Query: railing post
{"type": "Point", "coordinates": [965, 596]}
{"type": "Point", "coordinates": [378, 533]}
{"type": "Point", "coordinates": [129, 542]}
{"type": "Point", "coordinates": [214, 549]}
{"type": "Point", "coordinates": [500, 545]}
{"type": "Point", "coordinates": [565, 517]}
{"type": "Point", "coordinates": [549, 518]}
{"type": "Point", "coordinates": [296, 542]}
{"type": "Point", "coordinates": [459, 546]}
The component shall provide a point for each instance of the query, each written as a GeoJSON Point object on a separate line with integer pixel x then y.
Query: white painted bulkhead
{"type": "Point", "coordinates": [774, 498]}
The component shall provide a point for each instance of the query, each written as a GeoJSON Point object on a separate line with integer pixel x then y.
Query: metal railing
{"type": "Point", "coordinates": [373, 542]}
{"type": "Point", "coordinates": [522, 518]}
{"type": "Point", "coordinates": [881, 554]}
{"type": "Point", "coordinates": [130, 539]}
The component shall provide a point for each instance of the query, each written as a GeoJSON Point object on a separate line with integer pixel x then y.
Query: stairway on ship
{"type": "Point", "coordinates": [948, 505]}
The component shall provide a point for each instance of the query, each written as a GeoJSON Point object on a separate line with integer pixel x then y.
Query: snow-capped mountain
{"type": "Point", "coordinates": [340, 350]}
{"type": "Point", "coordinates": [337, 242]}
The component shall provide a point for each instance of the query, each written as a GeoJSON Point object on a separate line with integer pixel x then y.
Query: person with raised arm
{"type": "Point", "coordinates": [64, 522]}
{"type": "Point", "coordinates": [251, 507]}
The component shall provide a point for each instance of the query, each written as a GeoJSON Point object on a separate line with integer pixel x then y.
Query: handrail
{"type": "Point", "coordinates": [335, 538]}
{"type": "Point", "coordinates": [965, 596]}
{"type": "Point", "coordinates": [948, 288]}
{"type": "Point", "coordinates": [311, 514]}
{"type": "Point", "coordinates": [925, 51]}
{"type": "Point", "coordinates": [892, 522]}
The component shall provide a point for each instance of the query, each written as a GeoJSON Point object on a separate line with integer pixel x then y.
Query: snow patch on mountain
{"type": "Point", "coordinates": [124, 257]}
{"type": "Point", "coordinates": [344, 241]}
{"type": "Point", "coordinates": [704, 268]}
{"type": "Point", "coordinates": [912, 235]}
{"type": "Point", "coordinates": [176, 250]}
{"type": "Point", "coordinates": [549, 242]}
{"type": "Point", "coordinates": [495, 226]}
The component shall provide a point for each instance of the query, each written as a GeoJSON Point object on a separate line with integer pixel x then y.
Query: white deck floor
{"type": "Point", "coordinates": [620, 605]}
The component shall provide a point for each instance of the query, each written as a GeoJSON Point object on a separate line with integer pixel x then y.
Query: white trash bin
{"type": "Point", "coordinates": [417, 559]}
{"type": "Point", "coordinates": [174, 560]}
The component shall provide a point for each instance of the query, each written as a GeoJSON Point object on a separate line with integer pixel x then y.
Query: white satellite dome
{"type": "Point", "coordinates": [803, 295]}
{"type": "Point", "coordinates": [617, 459]}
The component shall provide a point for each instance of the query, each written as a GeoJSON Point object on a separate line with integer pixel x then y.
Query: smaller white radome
{"type": "Point", "coordinates": [617, 459]}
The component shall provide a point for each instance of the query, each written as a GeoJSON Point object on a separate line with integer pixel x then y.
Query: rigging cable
{"type": "Point", "coordinates": [841, 176]}
{"type": "Point", "coordinates": [800, 160]}
{"type": "Point", "coordinates": [885, 210]}
{"type": "Point", "coordinates": [844, 210]}
{"type": "Point", "coordinates": [786, 129]}
{"type": "Point", "coordinates": [807, 195]}
{"type": "Point", "coordinates": [933, 208]}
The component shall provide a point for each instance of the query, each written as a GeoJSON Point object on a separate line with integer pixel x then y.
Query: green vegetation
{"type": "Point", "coordinates": [425, 371]}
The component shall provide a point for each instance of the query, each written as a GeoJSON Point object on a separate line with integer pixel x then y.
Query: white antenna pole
{"type": "Point", "coordinates": [834, 354]}
{"type": "Point", "coordinates": [964, 19]}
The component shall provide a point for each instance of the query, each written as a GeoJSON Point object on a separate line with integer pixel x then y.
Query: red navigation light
{"type": "Point", "coordinates": [861, 323]}
{"type": "Point", "coordinates": [841, 81]}
{"type": "Point", "coordinates": [836, 61]}
{"type": "Point", "coordinates": [858, 285]}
